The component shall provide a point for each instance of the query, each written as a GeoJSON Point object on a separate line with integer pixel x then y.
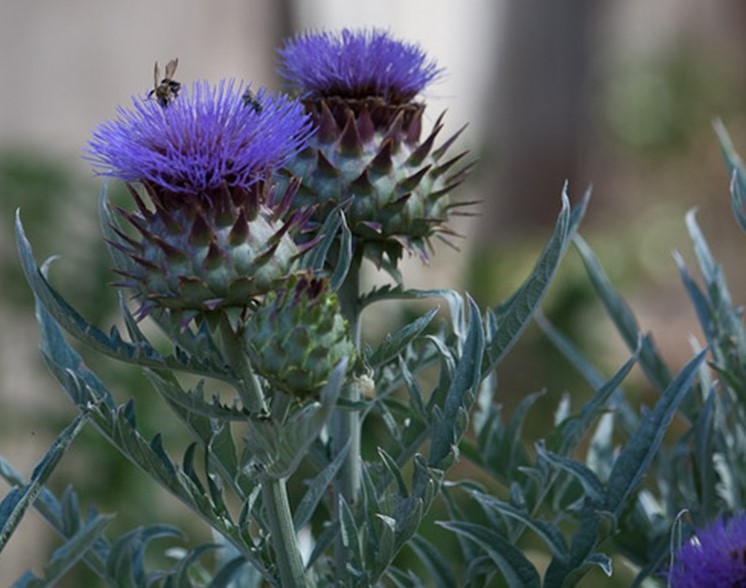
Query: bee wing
{"type": "Point", "coordinates": [156, 75]}
{"type": "Point", "coordinates": [171, 68]}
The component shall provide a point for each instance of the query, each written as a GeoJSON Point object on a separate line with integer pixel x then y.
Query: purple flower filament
{"type": "Point", "coordinates": [357, 64]}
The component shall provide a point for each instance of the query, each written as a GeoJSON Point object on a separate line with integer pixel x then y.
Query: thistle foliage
{"type": "Point", "coordinates": [257, 293]}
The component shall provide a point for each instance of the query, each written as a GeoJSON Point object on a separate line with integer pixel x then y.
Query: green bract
{"type": "Point", "coordinates": [297, 337]}
{"type": "Point", "coordinates": [368, 156]}
{"type": "Point", "coordinates": [202, 257]}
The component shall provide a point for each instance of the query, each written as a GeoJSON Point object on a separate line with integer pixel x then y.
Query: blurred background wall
{"type": "Point", "coordinates": [618, 94]}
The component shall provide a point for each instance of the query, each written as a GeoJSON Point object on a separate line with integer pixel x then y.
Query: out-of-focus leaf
{"type": "Point", "coordinates": [639, 451]}
{"type": "Point", "coordinates": [623, 318]}
{"type": "Point", "coordinates": [20, 499]}
{"type": "Point", "coordinates": [437, 566]}
{"type": "Point", "coordinates": [513, 565]}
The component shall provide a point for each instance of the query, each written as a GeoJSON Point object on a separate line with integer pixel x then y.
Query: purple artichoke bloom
{"type": "Point", "coordinates": [357, 64]}
{"type": "Point", "coordinates": [714, 556]}
{"type": "Point", "coordinates": [215, 232]}
{"type": "Point", "coordinates": [360, 88]}
{"type": "Point", "coordinates": [204, 138]}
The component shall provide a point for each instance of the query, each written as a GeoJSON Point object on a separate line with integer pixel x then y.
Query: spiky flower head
{"type": "Point", "coordinates": [360, 88]}
{"type": "Point", "coordinates": [713, 556]}
{"type": "Point", "coordinates": [215, 230]}
{"type": "Point", "coordinates": [298, 336]}
{"type": "Point", "coordinates": [357, 64]}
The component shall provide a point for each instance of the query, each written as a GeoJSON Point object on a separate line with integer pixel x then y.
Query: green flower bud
{"type": "Point", "coordinates": [297, 336]}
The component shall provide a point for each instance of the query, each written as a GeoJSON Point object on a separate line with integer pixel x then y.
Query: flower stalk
{"type": "Point", "coordinates": [248, 389]}
{"type": "Point", "coordinates": [346, 425]}
{"type": "Point", "coordinates": [284, 540]}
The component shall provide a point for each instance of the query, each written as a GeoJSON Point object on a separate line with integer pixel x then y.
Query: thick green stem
{"type": "Point", "coordinates": [346, 423]}
{"type": "Point", "coordinates": [248, 389]}
{"type": "Point", "coordinates": [284, 539]}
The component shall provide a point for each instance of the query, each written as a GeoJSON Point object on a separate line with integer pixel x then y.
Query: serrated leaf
{"type": "Point", "coordinates": [280, 447]}
{"type": "Point", "coordinates": [112, 346]}
{"type": "Point", "coordinates": [20, 499]}
{"type": "Point", "coordinates": [317, 489]}
{"type": "Point", "coordinates": [125, 563]}
{"type": "Point", "coordinates": [639, 451]}
{"type": "Point", "coordinates": [466, 379]}
{"type": "Point", "coordinates": [513, 315]}
{"type": "Point", "coordinates": [394, 344]}
{"type": "Point", "coordinates": [594, 489]}
{"type": "Point", "coordinates": [75, 548]}
{"type": "Point", "coordinates": [548, 532]}
{"type": "Point", "coordinates": [590, 375]}
{"type": "Point", "coordinates": [513, 565]}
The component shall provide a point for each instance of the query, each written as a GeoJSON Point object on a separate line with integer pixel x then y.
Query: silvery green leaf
{"type": "Point", "coordinates": [280, 447]}
{"type": "Point", "coordinates": [73, 550]}
{"type": "Point", "coordinates": [565, 438]}
{"type": "Point", "coordinates": [548, 532]}
{"type": "Point", "coordinates": [466, 378]}
{"type": "Point", "coordinates": [315, 258]}
{"type": "Point", "coordinates": [600, 456]}
{"type": "Point", "coordinates": [623, 318]}
{"type": "Point", "coordinates": [350, 533]}
{"type": "Point", "coordinates": [416, 397]}
{"type": "Point", "coordinates": [179, 576]}
{"type": "Point", "coordinates": [236, 573]}
{"type": "Point", "coordinates": [513, 315]}
{"type": "Point", "coordinates": [62, 516]}
{"type": "Point", "coordinates": [639, 451]}
{"type": "Point", "coordinates": [344, 259]}
{"type": "Point", "coordinates": [705, 446]}
{"type": "Point", "coordinates": [439, 571]}
{"type": "Point", "coordinates": [738, 174]}
{"type": "Point", "coordinates": [193, 400]}
{"type": "Point", "coordinates": [317, 488]}
{"type": "Point", "coordinates": [600, 386]}
{"type": "Point", "coordinates": [594, 526]}
{"type": "Point", "coordinates": [698, 298]}
{"type": "Point", "coordinates": [382, 551]}
{"type": "Point", "coordinates": [111, 345]}
{"type": "Point", "coordinates": [509, 559]}
{"type": "Point", "coordinates": [125, 565]}
{"type": "Point", "coordinates": [394, 471]}
{"type": "Point", "coordinates": [21, 498]}
{"type": "Point", "coordinates": [394, 344]}
{"type": "Point", "coordinates": [594, 489]}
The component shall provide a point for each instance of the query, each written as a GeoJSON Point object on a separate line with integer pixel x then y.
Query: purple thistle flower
{"type": "Point", "coordinates": [204, 139]}
{"type": "Point", "coordinates": [357, 64]}
{"type": "Point", "coordinates": [714, 556]}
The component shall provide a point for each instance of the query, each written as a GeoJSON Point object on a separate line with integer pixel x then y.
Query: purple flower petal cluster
{"type": "Point", "coordinates": [357, 64]}
{"type": "Point", "coordinates": [714, 556]}
{"type": "Point", "coordinates": [205, 137]}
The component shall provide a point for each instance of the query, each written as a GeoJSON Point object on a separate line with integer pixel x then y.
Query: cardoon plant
{"type": "Point", "coordinates": [251, 216]}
